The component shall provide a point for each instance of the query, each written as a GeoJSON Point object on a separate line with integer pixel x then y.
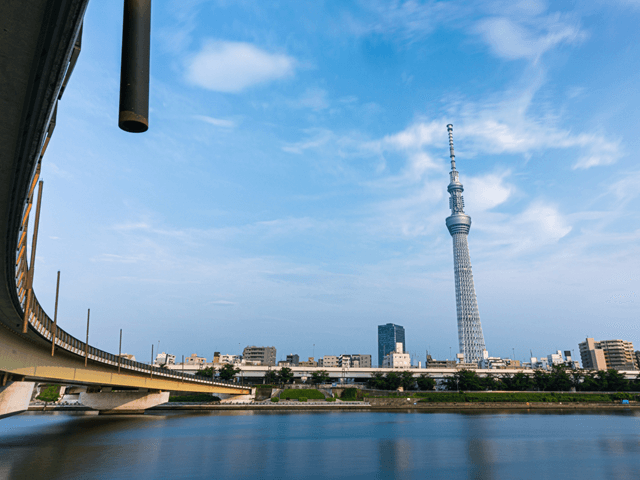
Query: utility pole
{"type": "Point", "coordinates": [120, 351]}
{"type": "Point", "coordinates": [86, 344]}
{"type": "Point", "coordinates": [54, 333]}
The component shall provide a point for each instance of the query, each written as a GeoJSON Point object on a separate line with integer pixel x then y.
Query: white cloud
{"type": "Point", "coordinates": [218, 122]}
{"type": "Point", "coordinates": [234, 66]}
{"type": "Point", "coordinates": [511, 39]}
{"type": "Point", "coordinates": [487, 191]}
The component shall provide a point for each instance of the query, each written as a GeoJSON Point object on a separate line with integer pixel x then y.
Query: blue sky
{"type": "Point", "coordinates": [291, 189]}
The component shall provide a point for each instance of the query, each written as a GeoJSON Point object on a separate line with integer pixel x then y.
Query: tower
{"type": "Point", "coordinates": [470, 336]}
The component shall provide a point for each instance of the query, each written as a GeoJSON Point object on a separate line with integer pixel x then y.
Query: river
{"type": "Point", "coordinates": [323, 445]}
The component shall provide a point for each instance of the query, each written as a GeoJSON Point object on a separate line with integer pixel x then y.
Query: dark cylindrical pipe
{"type": "Point", "coordinates": [134, 71]}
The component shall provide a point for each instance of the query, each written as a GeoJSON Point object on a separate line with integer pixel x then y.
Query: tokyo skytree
{"type": "Point", "coordinates": [470, 335]}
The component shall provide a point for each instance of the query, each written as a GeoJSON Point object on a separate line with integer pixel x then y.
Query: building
{"type": "Point", "coordinates": [607, 354]}
{"type": "Point", "coordinates": [309, 363]}
{"type": "Point", "coordinates": [196, 360]}
{"type": "Point", "coordinates": [388, 336]}
{"type": "Point", "coordinates": [360, 361]}
{"type": "Point", "coordinates": [264, 355]}
{"type": "Point", "coordinates": [638, 359]}
{"type": "Point", "coordinates": [293, 359]}
{"type": "Point", "coordinates": [129, 356]}
{"type": "Point", "coordinates": [329, 361]}
{"type": "Point", "coordinates": [345, 361]}
{"type": "Point", "coordinates": [397, 358]}
{"type": "Point", "coordinates": [164, 359]}
{"type": "Point", "coordinates": [470, 337]}
{"type": "Point", "coordinates": [432, 363]}
{"type": "Point", "coordinates": [229, 359]}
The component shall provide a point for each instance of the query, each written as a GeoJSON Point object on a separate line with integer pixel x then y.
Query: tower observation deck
{"type": "Point", "coordinates": [470, 337]}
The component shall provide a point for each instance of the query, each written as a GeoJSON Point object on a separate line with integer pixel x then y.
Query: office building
{"type": "Point", "coordinates": [470, 337]}
{"type": "Point", "coordinates": [264, 355]}
{"type": "Point", "coordinates": [388, 336]}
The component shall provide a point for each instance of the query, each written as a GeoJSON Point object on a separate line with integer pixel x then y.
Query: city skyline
{"type": "Point", "coordinates": [282, 204]}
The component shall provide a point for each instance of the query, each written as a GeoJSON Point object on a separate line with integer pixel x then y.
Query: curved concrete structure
{"type": "Point", "coordinates": [37, 40]}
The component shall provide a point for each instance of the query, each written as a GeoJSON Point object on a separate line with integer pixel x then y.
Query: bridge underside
{"type": "Point", "coordinates": [37, 38]}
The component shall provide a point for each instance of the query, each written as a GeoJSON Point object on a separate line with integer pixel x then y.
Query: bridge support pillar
{"type": "Point", "coordinates": [122, 403]}
{"type": "Point", "coordinates": [15, 397]}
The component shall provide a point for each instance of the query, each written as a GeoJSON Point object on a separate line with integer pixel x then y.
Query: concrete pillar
{"type": "Point", "coordinates": [121, 403]}
{"type": "Point", "coordinates": [15, 398]}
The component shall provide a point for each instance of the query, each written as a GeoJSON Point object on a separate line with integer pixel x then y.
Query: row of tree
{"type": "Point", "coordinates": [557, 380]}
{"type": "Point", "coordinates": [406, 380]}
{"type": "Point", "coordinates": [280, 376]}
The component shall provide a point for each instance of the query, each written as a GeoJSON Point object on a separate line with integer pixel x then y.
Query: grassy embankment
{"type": "Point", "coordinates": [515, 397]}
{"type": "Point", "coordinates": [301, 394]}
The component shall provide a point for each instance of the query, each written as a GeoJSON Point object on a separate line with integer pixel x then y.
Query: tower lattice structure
{"type": "Point", "coordinates": [470, 337]}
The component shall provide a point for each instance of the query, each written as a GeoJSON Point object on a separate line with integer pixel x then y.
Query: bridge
{"type": "Point", "coordinates": [39, 43]}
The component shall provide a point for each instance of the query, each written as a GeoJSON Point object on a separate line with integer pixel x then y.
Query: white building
{"type": "Point", "coordinates": [397, 359]}
{"type": "Point", "coordinates": [230, 359]}
{"type": "Point", "coordinates": [163, 359]}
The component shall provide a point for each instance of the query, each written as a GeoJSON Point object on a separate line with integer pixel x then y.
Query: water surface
{"type": "Point", "coordinates": [323, 445]}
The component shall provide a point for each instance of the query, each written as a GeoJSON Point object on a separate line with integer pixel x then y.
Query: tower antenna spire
{"type": "Point", "coordinates": [451, 154]}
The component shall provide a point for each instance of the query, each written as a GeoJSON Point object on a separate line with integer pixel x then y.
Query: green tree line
{"type": "Point", "coordinates": [556, 380]}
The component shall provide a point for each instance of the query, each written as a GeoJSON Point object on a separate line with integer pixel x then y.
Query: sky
{"type": "Point", "coordinates": [291, 188]}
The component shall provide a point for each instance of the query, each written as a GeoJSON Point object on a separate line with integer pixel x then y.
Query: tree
{"type": "Point", "coordinates": [377, 381]}
{"type": "Point", "coordinates": [559, 379]}
{"type": "Point", "coordinates": [285, 375]}
{"type": "Point", "coordinates": [464, 380]}
{"type": "Point", "coordinates": [392, 381]}
{"type": "Point", "coordinates": [228, 371]}
{"type": "Point", "coordinates": [407, 381]}
{"type": "Point", "coordinates": [50, 394]}
{"type": "Point", "coordinates": [271, 377]}
{"type": "Point", "coordinates": [321, 376]}
{"type": "Point", "coordinates": [425, 382]}
{"type": "Point", "coordinates": [206, 372]}
{"type": "Point", "coordinates": [616, 381]}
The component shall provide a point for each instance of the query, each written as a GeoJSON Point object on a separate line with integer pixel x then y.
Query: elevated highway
{"type": "Point", "coordinates": [39, 43]}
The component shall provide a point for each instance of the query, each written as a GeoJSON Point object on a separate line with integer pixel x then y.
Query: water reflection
{"type": "Point", "coordinates": [354, 445]}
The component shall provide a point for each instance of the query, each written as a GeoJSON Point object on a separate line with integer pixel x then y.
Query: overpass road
{"type": "Point", "coordinates": [39, 43]}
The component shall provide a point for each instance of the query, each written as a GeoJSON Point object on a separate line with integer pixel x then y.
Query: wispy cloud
{"type": "Point", "coordinates": [218, 122]}
{"type": "Point", "coordinates": [231, 67]}
{"type": "Point", "coordinates": [514, 38]}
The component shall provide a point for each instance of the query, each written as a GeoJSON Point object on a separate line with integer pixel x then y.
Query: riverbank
{"type": "Point", "coordinates": [386, 405]}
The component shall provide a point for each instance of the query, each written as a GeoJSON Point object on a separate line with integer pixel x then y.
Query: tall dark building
{"type": "Point", "coordinates": [388, 336]}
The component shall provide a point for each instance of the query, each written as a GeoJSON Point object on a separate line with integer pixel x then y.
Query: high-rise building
{"type": "Point", "coordinates": [264, 355]}
{"type": "Point", "coordinates": [388, 336]}
{"type": "Point", "coordinates": [470, 337]}
{"type": "Point", "coordinates": [293, 359]}
{"type": "Point", "coordinates": [617, 354]}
